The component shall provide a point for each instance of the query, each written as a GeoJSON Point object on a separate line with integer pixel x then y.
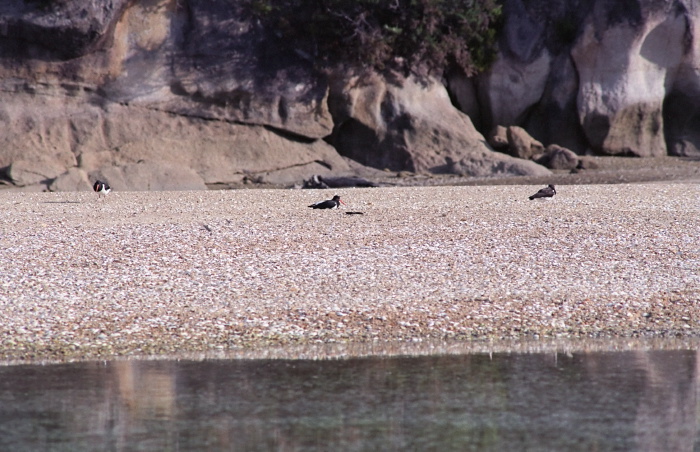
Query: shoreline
{"type": "Point", "coordinates": [601, 170]}
{"type": "Point", "coordinates": [162, 273]}
{"type": "Point", "coordinates": [388, 349]}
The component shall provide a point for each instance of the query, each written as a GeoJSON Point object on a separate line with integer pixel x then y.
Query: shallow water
{"type": "Point", "coordinates": [631, 400]}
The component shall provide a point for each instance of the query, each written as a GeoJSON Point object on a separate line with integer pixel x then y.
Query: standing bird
{"type": "Point", "coordinates": [328, 204]}
{"type": "Point", "coordinates": [101, 188]}
{"type": "Point", "coordinates": [546, 192]}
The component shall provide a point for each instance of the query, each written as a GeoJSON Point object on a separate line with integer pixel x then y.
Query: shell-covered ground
{"type": "Point", "coordinates": [149, 273]}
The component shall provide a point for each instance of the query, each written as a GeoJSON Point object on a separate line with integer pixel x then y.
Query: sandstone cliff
{"type": "Point", "coordinates": [611, 77]}
{"type": "Point", "coordinates": [129, 89]}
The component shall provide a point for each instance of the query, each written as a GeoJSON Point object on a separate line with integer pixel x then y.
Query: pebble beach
{"type": "Point", "coordinates": [167, 273]}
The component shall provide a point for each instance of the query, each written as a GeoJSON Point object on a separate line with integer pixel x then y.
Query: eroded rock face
{"type": "Point", "coordinates": [559, 158]}
{"type": "Point", "coordinates": [184, 83]}
{"type": "Point", "coordinates": [625, 70]}
{"type": "Point", "coordinates": [75, 179]}
{"type": "Point", "coordinates": [498, 138]}
{"type": "Point", "coordinates": [615, 78]}
{"type": "Point", "coordinates": [25, 172]}
{"type": "Point", "coordinates": [402, 123]}
{"type": "Point", "coordinates": [219, 151]}
{"type": "Point", "coordinates": [228, 68]}
{"type": "Point", "coordinates": [196, 84]}
{"type": "Point", "coordinates": [521, 144]}
{"type": "Point", "coordinates": [150, 177]}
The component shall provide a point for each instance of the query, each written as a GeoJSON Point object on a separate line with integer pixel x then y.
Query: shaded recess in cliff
{"type": "Point", "coordinates": [59, 30]}
{"type": "Point", "coordinates": [682, 120]}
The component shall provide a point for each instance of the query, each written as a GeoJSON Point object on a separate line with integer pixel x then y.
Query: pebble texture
{"type": "Point", "coordinates": [155, 273]}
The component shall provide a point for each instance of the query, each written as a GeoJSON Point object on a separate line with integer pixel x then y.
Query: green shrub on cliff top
{"type": "Point", "coordinates": [415, 35]}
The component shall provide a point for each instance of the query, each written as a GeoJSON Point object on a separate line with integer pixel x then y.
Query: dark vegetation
{"type": "Point", "coordinates": [420, 36]}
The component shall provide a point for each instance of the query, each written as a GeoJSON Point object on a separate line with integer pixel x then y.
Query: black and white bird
{"type": "Point", "coordinates": [546, 192]}
{"type": "Point", "coordinates": [101, 188]}
{"type": "Point", "coordinates": [328, 204]}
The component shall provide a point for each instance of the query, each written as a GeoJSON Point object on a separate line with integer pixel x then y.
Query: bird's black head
{"type": "Point", "coordinates": [336, 198]}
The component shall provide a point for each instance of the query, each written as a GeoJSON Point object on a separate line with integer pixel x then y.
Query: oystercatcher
{"type": "Point", "coordinates": [546, 192]}
{"type": "Point", "coordinates": [328, 204]}
{"type": "Point", "coordinates": [101, 188]}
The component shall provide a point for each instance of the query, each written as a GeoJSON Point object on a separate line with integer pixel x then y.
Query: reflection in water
{"type": "Point", "coordinates": [587, 401]}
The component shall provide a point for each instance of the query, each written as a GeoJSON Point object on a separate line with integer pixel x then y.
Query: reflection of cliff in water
{"type": "Point", "coordinates": [667, 416]}
{"type": "Point", "coordinates": [643, 400]}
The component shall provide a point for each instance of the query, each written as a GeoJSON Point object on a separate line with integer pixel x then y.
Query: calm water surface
{"type": "Point", "coordinates": [645, 400]}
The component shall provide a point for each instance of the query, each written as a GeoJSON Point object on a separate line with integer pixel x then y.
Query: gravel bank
{"type": "Point", "coordinates": [172, 272]}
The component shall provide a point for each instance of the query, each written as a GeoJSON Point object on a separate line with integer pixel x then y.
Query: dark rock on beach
{"type": "Point", "coordinates": [317, 181]}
